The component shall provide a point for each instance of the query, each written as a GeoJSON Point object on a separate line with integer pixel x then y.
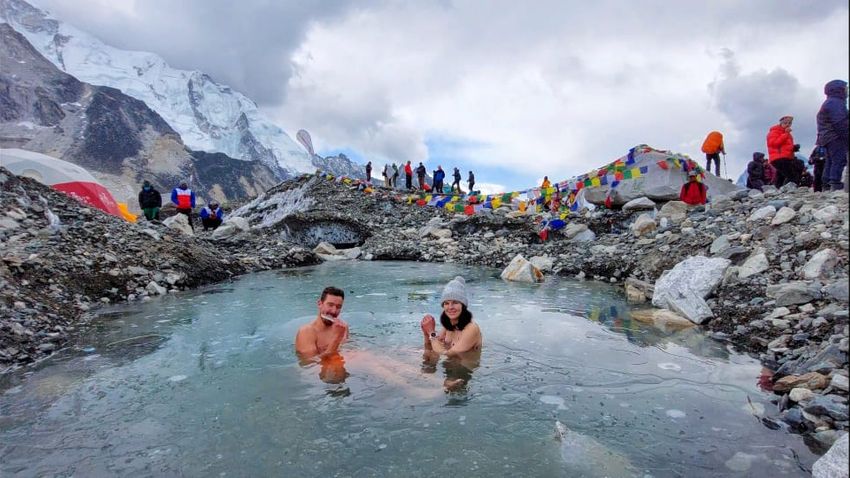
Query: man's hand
{"type": "Point", "coordinates": [340, 329]}
{"type": "Point", "coordinates": [428, 325]}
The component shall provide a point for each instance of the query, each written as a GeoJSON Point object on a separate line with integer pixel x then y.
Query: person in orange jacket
{"type": "Point", "coordinates": [713, 147]}
{"type": "Point", "coordinates": [693, 192]}
{"type": "Point", "coordinates": [780, 150]}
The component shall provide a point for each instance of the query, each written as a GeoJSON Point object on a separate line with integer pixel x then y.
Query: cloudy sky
{"type": "Point", "coordinates": [512, 90]}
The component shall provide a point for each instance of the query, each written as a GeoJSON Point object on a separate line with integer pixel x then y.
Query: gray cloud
{"type": "Point", "coordinates": [753, 102]}
{"type": "Point", "coordinates": [246, 45]}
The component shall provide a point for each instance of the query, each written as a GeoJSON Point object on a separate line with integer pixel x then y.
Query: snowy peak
{"type": "Point", "coordinates": [208, 116]}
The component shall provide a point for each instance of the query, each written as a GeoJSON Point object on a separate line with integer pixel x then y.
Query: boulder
{"type": "Point", "coordinates": [584, 236]}
{"type": "Point", "coordinates": [783, 215]}
{"type": "Point", "coordinates": [155, 289]}
{"type": "Point", "coordinates": [838, 290]}
{"type": "Point", "coordinates": [766, 212]}
{"type": "Point", "coordinates": [643, 225]}
{"type": "Point", "coordinates": [231, 227]}
{"type": "Point", "coordinates": [520, 270]}
{"type": "Point", "coordinates": [810, 381]}
{"type": "Point", "coordinates": [791, 293]}
{"type": "Point", "coordinates": [719, 245]}
{"type": "Point", "coordinates": [638, 291]}
{"type": "Point", "coordinates": [755, 264]}
{"type": "Point", "coordinates": [834, 464]}
{"type": "Point", "coordinates": [827, 214]}
{"type": "Point", "coordinates": [801, 394]}
{"type": "Point", "coordinates": [820, 265]}
{"type": "Point", "coordinates": [544, 263]}
{"type": "Point", "coordinates": [684, 288]}
{"type": "Point", "coordinates": [326, 249]}
{"type": "Point", "coordinates": [179, 222]}
{"type": "Point", "coordinates": [675, 211]}
{"type": "Point", "coordinates": [639, 204]}
{"type": "Point", "coordinates": [573, 229]}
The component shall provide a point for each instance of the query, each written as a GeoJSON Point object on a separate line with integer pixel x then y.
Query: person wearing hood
{"type": "Point", "coordinates": [755, 172]}
{"type": "Point", "coordinates": [833, 133]}
{"type": "Point", "coordinates": [471, 182]}
{"type": "Point", "coordinates": [150, 200]}
{"type": "Point", "coordinates": [394, 176]}
{"type": "Point", "coordinates": [184, 199]}
{"type": "Point", "coordinates": [369, 172]}
{"type": "Point", "coordinates": [780, 150]}
{"type": "Point", "coordinates": [211, 216]}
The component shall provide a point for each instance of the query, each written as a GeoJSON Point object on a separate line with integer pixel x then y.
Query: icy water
{"type": "Point", "coordinates": [206, 383]}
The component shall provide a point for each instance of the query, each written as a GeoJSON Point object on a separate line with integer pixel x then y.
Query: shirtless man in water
{"type": "Point", "coordinates": [320, 339]}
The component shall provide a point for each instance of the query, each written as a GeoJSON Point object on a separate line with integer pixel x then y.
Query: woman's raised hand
{"type": "Point", "coordinates": [428, 324]}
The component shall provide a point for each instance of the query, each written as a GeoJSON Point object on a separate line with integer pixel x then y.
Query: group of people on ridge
{"type": "Point", "coordinates": [828, 158]}
{"type": "Point", "coordinates": [183, 198]}
{"type": "Point", "coordinates": [391, 172]}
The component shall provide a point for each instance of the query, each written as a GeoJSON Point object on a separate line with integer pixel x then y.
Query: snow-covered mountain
{"type": "Point", "coordinates": [208, 116]}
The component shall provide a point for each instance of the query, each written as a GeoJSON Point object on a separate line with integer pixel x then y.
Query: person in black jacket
{"type": "Point", "coordinates": [150, 200]}
{"type": "Point", "coordinates": [456, 177]}
{"type": "Point", "coordinates": [755, 172]}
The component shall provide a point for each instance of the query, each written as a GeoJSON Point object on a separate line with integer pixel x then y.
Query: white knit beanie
{"type": "Point", "coordinates": [455, 290]}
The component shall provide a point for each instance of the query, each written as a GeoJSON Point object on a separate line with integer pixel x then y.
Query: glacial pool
{"type": "Point", "coordinates": [206, 383]}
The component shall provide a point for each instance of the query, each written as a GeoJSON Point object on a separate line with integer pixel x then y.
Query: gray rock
{"type": "Point", "coordinates": [782, 216]}
{"type": "Point", "coordinates": [840, 382]}
{"type": "Point", "coordinates": [735, 254]}
{"type": "Point", "coordinates": [155, 289]}
{"type": "Point", "coordinates": [792, 293]}
{"type": "Point", "coordinates": [719, 245]}
{"type": "Point", "coordinates": [820, 265]}
{"type": "Point", "coordinates": [761, 214]}
{"type": "Point", "coordinates": [756, 264]}
{"type": "Point", "coordinates": [674, 211]}
{"type": "Point", "coordinates": [684, 288]}
{"type": "Point", "coordinates": [838, 290]}
{"type": "Point", "coordinates": [643, 225]}
{"type": "Point", "coordinates": [638, 204]}
{"type": "Point", "coordinates": [830, 405]}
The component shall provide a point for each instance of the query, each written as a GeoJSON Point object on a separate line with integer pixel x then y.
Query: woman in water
{"type": "Point", "coordinates": [460, 340]}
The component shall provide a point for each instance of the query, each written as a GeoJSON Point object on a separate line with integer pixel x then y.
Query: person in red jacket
{"type": "Point", "coordinates": [780, 150]}
{"type": "Point", "coordinates": [408, 176]}
{"type": "Point", "coordinates": [693, 192]}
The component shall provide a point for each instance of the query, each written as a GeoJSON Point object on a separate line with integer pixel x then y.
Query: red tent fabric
{"type": "Point", "coordinates": [60, 175]}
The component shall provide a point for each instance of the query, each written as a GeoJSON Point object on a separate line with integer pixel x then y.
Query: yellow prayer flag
{"type": "Point", "coordinates": [496, 202]}
{"type": "Point", "coordinates": [635, 173]}
{"type": "Point", "coordinates": [595, 182]}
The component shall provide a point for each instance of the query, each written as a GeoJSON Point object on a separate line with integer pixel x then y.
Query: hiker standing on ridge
{"type": "Point", "coordinates": [369, 172]}
{"type": "Point", "coordinates": [437, 185]}
{"type": "Point", "coordinates": [395, 176]}
{"type": "Point", "coordinates": [384, 174]}
{"type": "Point", "coordinates": [713, 147]}
{"type": "Point", "coordinates": [184, 199]}
{"type": "Point", "coordinates": [471, 182]}
{"type": "Point", "coordinates": [420, 175]}
{"type": "Point", "coordinates": [780, 150]}
{"type": "Point", "coordinates": [833, 133]}
{"type": "Point", "coordinates": [408, 176]}
{"type": "Point", "coordinates": [755, 172]}
{"type": "Point", "coordinates": [150, 200]}
{"type": "Point", "coordinates": [456, 176]}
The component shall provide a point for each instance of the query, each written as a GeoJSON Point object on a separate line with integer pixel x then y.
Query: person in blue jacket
{"type": "Point", "coordinates": [211, 216]}
{"type": "Point", "coordinates": [438, 175]}
{"type": "Point", "coordinates": [184, 199]}
{"type": "Point", "coordinates": [833, 133]}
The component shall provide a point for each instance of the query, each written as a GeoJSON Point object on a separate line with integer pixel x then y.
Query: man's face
{"type": "Point", "coordinates": [331, 306]}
